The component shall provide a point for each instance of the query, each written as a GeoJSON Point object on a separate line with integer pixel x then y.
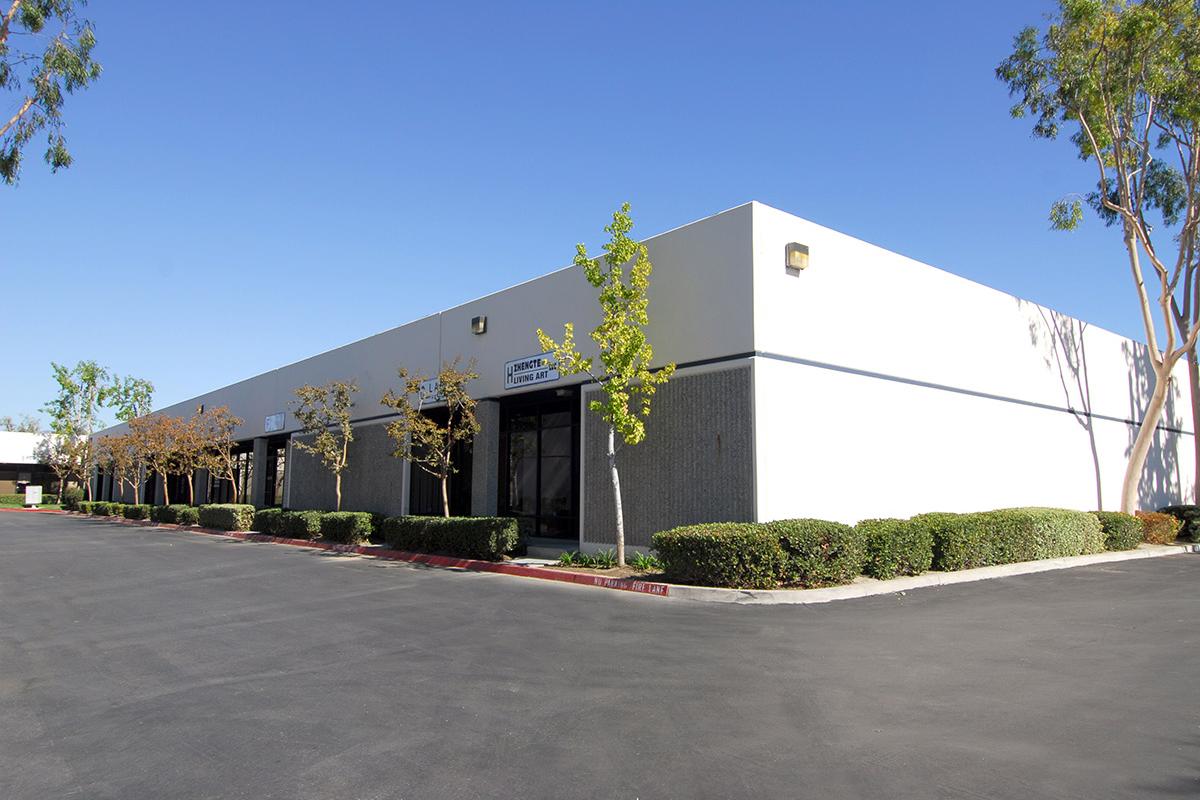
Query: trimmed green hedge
{"type": "Point", "coordinates": [1030, 534]}
{"type": "Point", "coordinates": [1189, 517]}
{"type": "Point", "coordinates": [488, 538]}
{"type": "Point", "coordinates": [740, 555]}
{"type": "Point", "coordinates": [1121, 531]}
{"type": "Point", "coordinates": [18, 500]}
{"type": "Point", "coordinates": [895, 547]}
{"type": "Point", "coordinates": [101, 508]}
{"type": "Point", "coordinates": [227, 516]}
{"type": "Point", "coordinates": [817, 552]}
{"type": "Point", "coordinates": [84, 507]}
{"type": "Point", "coordinates": [300, 524]}
{"type": "Point", "coordinates": [141, 511]}
{"type": "Point", "coordinates": [170, 515]}
{"type": "Point", "coordinates": [71, 498]}
{"type": "Point", "coordinates": [268, 520]}
{"type": "Point", "coordinates": [186, 515]}
{"type": "Point", "coordinates": [346, 527]}
{"type": "Point", "coordinates": [1158, 528]}
{"type": "Point", "coordinates": [960, 541]}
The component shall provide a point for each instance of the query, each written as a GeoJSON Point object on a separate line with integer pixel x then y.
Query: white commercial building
{"type": "Point", "coordinates": [865, 384]}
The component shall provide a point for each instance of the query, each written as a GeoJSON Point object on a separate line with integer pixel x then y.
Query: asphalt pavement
{"type": "Point", "coordinates": [145, 663]}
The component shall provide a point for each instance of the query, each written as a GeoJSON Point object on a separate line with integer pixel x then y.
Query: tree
{"type": "Point", "coordinates": [27, 424]}
{"type": "Point", "coordinates": [129, 397]}
{"type": "Point", "coordinates": [1125, 77]}
{"type": "Point", "coordinates": [626, 381]}
{"type": "Point", "coordinates": [324, 414]}
{"type": "Point", "coordinates": [163, 438]}
{"type": "Point", "coordinates": [216, 431]}
{"type": "Point", "coordinates": [82, 391]}
{"type": "Point", "coordinates": [38, 81]}
{"type": "Point", "coordinates": [64, 455]}
{"type": "Point", "coordinates": [419, 437]}
{"type": "Point", "coordinates": [125, 457]}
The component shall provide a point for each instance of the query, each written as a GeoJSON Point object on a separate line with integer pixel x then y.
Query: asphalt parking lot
{"type": "Point", "coordinates": [140, 663]}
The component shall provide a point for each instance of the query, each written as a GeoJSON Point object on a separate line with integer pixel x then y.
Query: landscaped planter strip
{"type": "Point", "coordinates": [698, 593]}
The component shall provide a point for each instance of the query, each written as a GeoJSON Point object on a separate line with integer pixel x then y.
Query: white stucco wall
{"type": "Point", "coordinates": [886, 387]}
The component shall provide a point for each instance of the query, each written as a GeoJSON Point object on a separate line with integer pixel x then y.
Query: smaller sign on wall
{"type": "Point", "coordinates": [274, 423]}
{"type": "Point", "coordinates": [431, 391]}
{"type": "Point", "coordinates": [528, 371]}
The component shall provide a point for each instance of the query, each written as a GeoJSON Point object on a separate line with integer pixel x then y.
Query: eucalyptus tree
{"type": "Point", "coordinates": [75, 411]}
{"type": "Point", "coordinates": [45, 54]}
{"type": "Point", "coordinates": [626, 381]}
{"type": "Point", "coordinates": [324, 414]}
{"type": "Point", "coordinates": [1124, 78]}
{"type": "Point", "coordinates": [420, 438]}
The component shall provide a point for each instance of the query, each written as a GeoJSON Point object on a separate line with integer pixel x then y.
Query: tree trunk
{"type": "Point", "coordinates": [88, 486]}
{"type": "Point", "coordinates": [136, 495]}
{"type": "Point", "coordinates": [1145, 437]}
{"type": "Point", "coordinates": [192, 489]}
{"type": "Point", "coordinates": [166, 491]}
{"type": "Point", "coordinates": [337, 486]}
{"type": "Point", "coordinates": [445, 497]}
{"type": "Point", "coordinates": [616, 484]}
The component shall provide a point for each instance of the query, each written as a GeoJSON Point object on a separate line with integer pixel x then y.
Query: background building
{"type": "Point", "coordinates": [866, 384]}
{"type": "Point", "coordinates": [19, 465]}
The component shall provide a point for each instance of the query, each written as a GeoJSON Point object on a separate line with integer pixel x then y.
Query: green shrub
{"type": "Point", "coordinates": [12, 500]}
{"type": "Point", "coordinates": [1030, 534]}
{"type": "Point", "coordinates": [377, 526]}
{"type": "Point", "coordinates": [300, 524]}
{"type": "Point", "coordinates": [1189, 517]}
{"type": "Point", "coordinates": [268, 520]}
{"type": "Point", "coordinates": [137, 512]}
{"type": "Point", "coordinates": [227, 516]}
{"type": "Point", "coordinates": [71, 498]}
{"type": "Point", "coordinates": [1158, 528]}
{"type": "Point", "coordinates": [346, 527]}
{"type": "Point", "coordinates": [101, 508]}
{"type": "Point", "coordinates": [84, 507]}
{"type": "Point", "coordinates": [817, 552]}
{"type": "Point", "coordinates": [960, 541]}
{"type": "Point", "coordinates": [895, 547]}
{"type": "Point", "coordinates": [162, 514]}
{"type": "Point", "coordinates": [1121, 531]}
{"type": "Point", "coordinates": [186, 515]}
{"type": "Point", "coordinates": [732, 554]}
{"type": "Point", "coordinates": [487, 538]}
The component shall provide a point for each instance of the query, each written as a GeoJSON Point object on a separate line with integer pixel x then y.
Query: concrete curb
{"type": "Point", "coordinates": [864, 587]}
{"type": "Point", "coordinates": [868, 587]}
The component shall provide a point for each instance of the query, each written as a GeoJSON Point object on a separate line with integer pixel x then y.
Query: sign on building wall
{"type": "Point", "coordinates": [274, 423]}
{"type": "Point", "coordinates": [528, 371]}
{"type": "Point", "coordinates": [431, 391]}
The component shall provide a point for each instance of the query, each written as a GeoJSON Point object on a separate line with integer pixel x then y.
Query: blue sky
{"type": "Point", "coordinates": [256, 186]}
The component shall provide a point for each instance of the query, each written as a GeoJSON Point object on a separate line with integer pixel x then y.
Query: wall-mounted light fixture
{"type": "Point", "coordinates": [796, 257]}
{"type": "Point", "coordinates": [479, 325]}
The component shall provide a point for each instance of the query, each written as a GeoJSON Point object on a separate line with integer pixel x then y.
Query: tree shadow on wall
{"type": "Point", "coordinates": [1160, 483]}
{"type": "Point", "coordinates": [1060, 342]}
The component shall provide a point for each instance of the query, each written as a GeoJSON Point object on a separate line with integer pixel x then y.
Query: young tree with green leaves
{"type": "Point", "coordinates": [1125, 78]}
{"type": "Point", "coordinates": [129, 397]}
{"type": "Point", "coordinates": [74, 412]}
{"type": "Point", "coordinates": [45, 54]}
{"type": "Point", "coordinates": [626, 380]}
{"type": "Point", "coordinates": [420, 438]}
{"type": "Point", "coordinates": [324, 414]}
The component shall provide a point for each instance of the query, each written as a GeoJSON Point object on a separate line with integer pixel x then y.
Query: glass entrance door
{"type": "Point", "coordinates": [539, 452]}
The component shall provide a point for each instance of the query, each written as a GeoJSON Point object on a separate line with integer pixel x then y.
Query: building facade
{"type": "Point", "coordinates": [865, 384]}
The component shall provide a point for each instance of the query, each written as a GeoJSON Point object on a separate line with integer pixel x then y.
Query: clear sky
{"type": "Point", "coordinates": [257, 183]}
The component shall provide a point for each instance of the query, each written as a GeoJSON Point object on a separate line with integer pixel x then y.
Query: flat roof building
{"type": "Point", "coordinates": [866, 384]}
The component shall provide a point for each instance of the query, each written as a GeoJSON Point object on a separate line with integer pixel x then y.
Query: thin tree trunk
{"type": "Point", "coordinates": [616, 484]}
{"type": "Point", "coordinates": [445, 497]}
{"type": "Point", "coordinates": [166, 491]}
{"type": "Point", "coordinates": [192, 489]}
{"type": "Point", "coordinates": [337, 485]}
{"type": "Point", "coordinates": [1145, 437]}
{"type": "Point", "coordinates": [136, 494]}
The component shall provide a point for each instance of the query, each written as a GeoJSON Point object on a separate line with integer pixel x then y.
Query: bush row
{"type": "Point", "coordinates": [18, 500]}
{"type": "Point", "coordinates": [466, 537]}
{"type": "Point", "coordinates": [810, 553]}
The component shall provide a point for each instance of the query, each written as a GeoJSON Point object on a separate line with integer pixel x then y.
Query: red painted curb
{"type": "Point", "coordinates": [450, 562]}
